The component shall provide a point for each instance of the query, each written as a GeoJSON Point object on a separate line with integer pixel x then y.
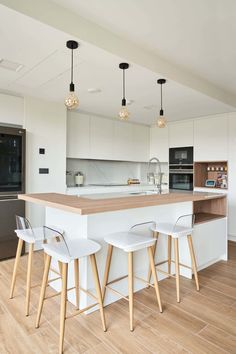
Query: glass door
{"type": "Point", "coordinates": [12, 161]}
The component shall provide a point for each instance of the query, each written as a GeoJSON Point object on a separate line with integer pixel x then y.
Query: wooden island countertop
{"type": "Point", "coordinates": [90, 205]}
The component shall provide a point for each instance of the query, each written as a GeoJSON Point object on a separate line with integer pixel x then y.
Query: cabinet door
{"type": "Point", "coordinates": [78, 135]}
{"type": "Point", "coordinates": [101, 138]}
{"type": "Point", "coordinates": [181, 134]}
{"type": "Point", "coordinates": [232, 175]}
{"type": "Point", "coordinates": [211, 138]}
{"type": "Point", "coordinates": [159, 145]}
{"type": "Point", "coordinates": [123, 141]}
{"type": "Point", "coordinates": [140, 143]}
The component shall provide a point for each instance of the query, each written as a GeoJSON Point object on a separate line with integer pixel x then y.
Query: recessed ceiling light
{"type": "Point", "coordinates": [10, 65]}
{"type": "Point", "coordinates": [94, 90]}
{"type": "Point", "coordinates": [152, 106]}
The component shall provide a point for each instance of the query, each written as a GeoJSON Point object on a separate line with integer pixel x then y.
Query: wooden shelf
{"type": "Point", "coordinates": [202, 173]}
{"type": "Point", "coordinates": [205, 217]}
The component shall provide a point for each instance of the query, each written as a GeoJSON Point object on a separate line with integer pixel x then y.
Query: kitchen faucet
{"type": "Point", "coordinates": [155, 178]}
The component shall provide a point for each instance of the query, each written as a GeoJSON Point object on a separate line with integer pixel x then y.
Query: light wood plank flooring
{"type": "Point", "coordinates": [203, 322]}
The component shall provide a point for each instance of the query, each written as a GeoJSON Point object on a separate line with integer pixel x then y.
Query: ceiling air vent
{"type": "Point", "coordinates": [10, 65]}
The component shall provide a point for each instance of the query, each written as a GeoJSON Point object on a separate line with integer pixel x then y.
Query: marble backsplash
{"type": "Point", "coordinates": [102, 171]}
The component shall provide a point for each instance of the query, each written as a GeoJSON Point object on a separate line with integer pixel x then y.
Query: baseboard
{"type": "Point", "coordinates": [232, 237]}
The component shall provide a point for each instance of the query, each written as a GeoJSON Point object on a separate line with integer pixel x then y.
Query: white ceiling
{"type": "Point", "coordinates": [197, 35]}
{"type": "Point", "coordinates": [46, 72]}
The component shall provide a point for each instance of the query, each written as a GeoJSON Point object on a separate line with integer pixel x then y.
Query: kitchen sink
{"type": "Point", "coordinates": [145, 192]}
{"type": "Point", "coordinates": [119, 195]}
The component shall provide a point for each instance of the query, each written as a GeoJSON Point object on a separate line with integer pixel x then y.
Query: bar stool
{"type": "Point", "coordinates": [65, 252]}
{"type": "Point", "coordinates": [28, 235]}
{"type": "Point", "coordinates": [183, 227]}
{"type": "Point", "coordinates": [130, 242]}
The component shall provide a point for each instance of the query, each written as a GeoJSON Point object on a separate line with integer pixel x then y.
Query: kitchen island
{"type": "Point", "coordinates": [95, 216]}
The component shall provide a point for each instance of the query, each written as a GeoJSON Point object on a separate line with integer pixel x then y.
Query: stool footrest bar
{"type": "Point", "coordinates": [117, 293]}
{"type": "Point", "coordinates": [81, 311]}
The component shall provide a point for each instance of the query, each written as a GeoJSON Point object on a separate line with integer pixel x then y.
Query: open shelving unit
{"type": "Point", "coordinates": [211, 170]}
{"type": "Point", "coordinates": [210, 209]}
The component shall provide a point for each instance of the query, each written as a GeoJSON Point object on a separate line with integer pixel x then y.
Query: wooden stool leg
{"type": "Point", "coordinates": [155, 234]}
{"type": "Point", "coordinates": [131, 289]}
{"type": "Point", "coordinates": [18, 254]}
{"type": "Point", "coordinates": [154, 274]}
{"type": "Point", "coordinates": [60, 267]}
{"type": "Point", "coordinates": [107, 270]}
{"type": "Point", "coordinates": [194, 263]}
{"type": "Point", "coordinates": [28, 282]}
{"type": "Point", "coordinates": [43, 288]}
{"type": "Point", "coordinates": [76, 271]}
{"type": "Point", "coordinates": [63, 305]}
{"type": "Point", "coordinates": [169, 253]}
{"type": "Point", "coordinates": [176, 241]}
{"type": "Point", "coordinates": [98, 289]}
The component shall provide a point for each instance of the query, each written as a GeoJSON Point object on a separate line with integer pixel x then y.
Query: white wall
{"type": "Point", "coordinates": [11, 110]}
{"type": "Point", "coordinates": [45, 124]}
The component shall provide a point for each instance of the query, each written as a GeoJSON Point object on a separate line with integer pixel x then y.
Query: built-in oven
{"type": "Point", "coordinates": [181, 177]}
{"type": "Point", "coordinates": [181, 156]}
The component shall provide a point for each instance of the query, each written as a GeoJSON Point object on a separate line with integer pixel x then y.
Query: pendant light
{"type": "Point", "coordinates": [72, 101]}
{"type": "Point", "coordinates": [124, 113]}
{"type": "Point", "coordinates": [161, 121]}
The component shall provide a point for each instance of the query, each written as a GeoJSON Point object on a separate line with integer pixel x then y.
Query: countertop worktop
{"type": "Point", "coordinates": [88, 205]}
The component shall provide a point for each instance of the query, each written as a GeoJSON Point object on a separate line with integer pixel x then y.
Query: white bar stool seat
{"type": "Point", "coordinates": [29, 235]}
{"type": "Point", "coordinates": [130, 242]}
{"type": "Point", "coordinates": [35, 234]}
{"type": "Point", "coordinates": [64, 252]}
{"type": "Point", "coordinates": [183, 227]}
{"type": "Point", "coordinates": [78, 248]}
{"type": "Point", "coordinates": [175, 231]}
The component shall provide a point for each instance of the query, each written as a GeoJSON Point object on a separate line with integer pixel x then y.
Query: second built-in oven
{"type": "Point", "coordinates": [181, 178]}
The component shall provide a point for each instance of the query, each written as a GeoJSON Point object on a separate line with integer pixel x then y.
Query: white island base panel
{"type": "Point", "coordinates": [209, 239]}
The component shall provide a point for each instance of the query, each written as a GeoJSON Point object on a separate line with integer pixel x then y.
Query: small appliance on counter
{"type": "Point", "coordinates": [70, 179]}
{"type": "Point", "coordinates": [133, 181]}
{"type": "Point", "coordinates": [79, 179]}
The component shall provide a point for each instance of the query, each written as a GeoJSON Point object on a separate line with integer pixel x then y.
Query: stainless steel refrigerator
{"type": "Point", "coordinates": [12, 183]}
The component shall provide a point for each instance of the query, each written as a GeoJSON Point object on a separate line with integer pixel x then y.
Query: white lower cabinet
{"type": "Point", "coordinates": [210, 242]}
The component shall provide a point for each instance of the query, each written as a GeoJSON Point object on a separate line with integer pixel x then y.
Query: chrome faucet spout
{"type": "Point", "coordinates": [159, 173]}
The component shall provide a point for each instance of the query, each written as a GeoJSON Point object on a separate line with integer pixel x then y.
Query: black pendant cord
{"type": "Point", "coordinates": [123, 84]}
{"type": "Point", "coordinates": [72, 65]}
{"type": "Point", "coordinates": [161, 110]}
{"type": "Point", "coordinates": [161, 98]}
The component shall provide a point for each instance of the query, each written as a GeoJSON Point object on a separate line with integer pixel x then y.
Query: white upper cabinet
{"type": "Point", "coordinates": [211, 138]}
{"type": "Point", "coordinates": [123, 141]}
{"type": "Point", "coordinates": [105, 139]}
{"type": "Point", "coordinates": [141, 139]}
{"type": "Point", "coordinates": [181, 134]}
{"type": "Point", "coordinates": [101, 138]}
{"type": "Point", "coordinates": [159, 144]}
{"type": "Point", "coordinates": [78, 135]}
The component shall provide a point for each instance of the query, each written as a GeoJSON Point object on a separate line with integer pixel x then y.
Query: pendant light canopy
{"type": "Point", "coordinates": [72, 101]}
{"type": "Point", "coordinates": [124, 113]}
{"type": "Point", "coordinates": [161, 120]}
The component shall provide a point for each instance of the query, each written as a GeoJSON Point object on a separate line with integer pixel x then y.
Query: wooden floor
{"type": "Point", "coordinates": [203, 322]}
